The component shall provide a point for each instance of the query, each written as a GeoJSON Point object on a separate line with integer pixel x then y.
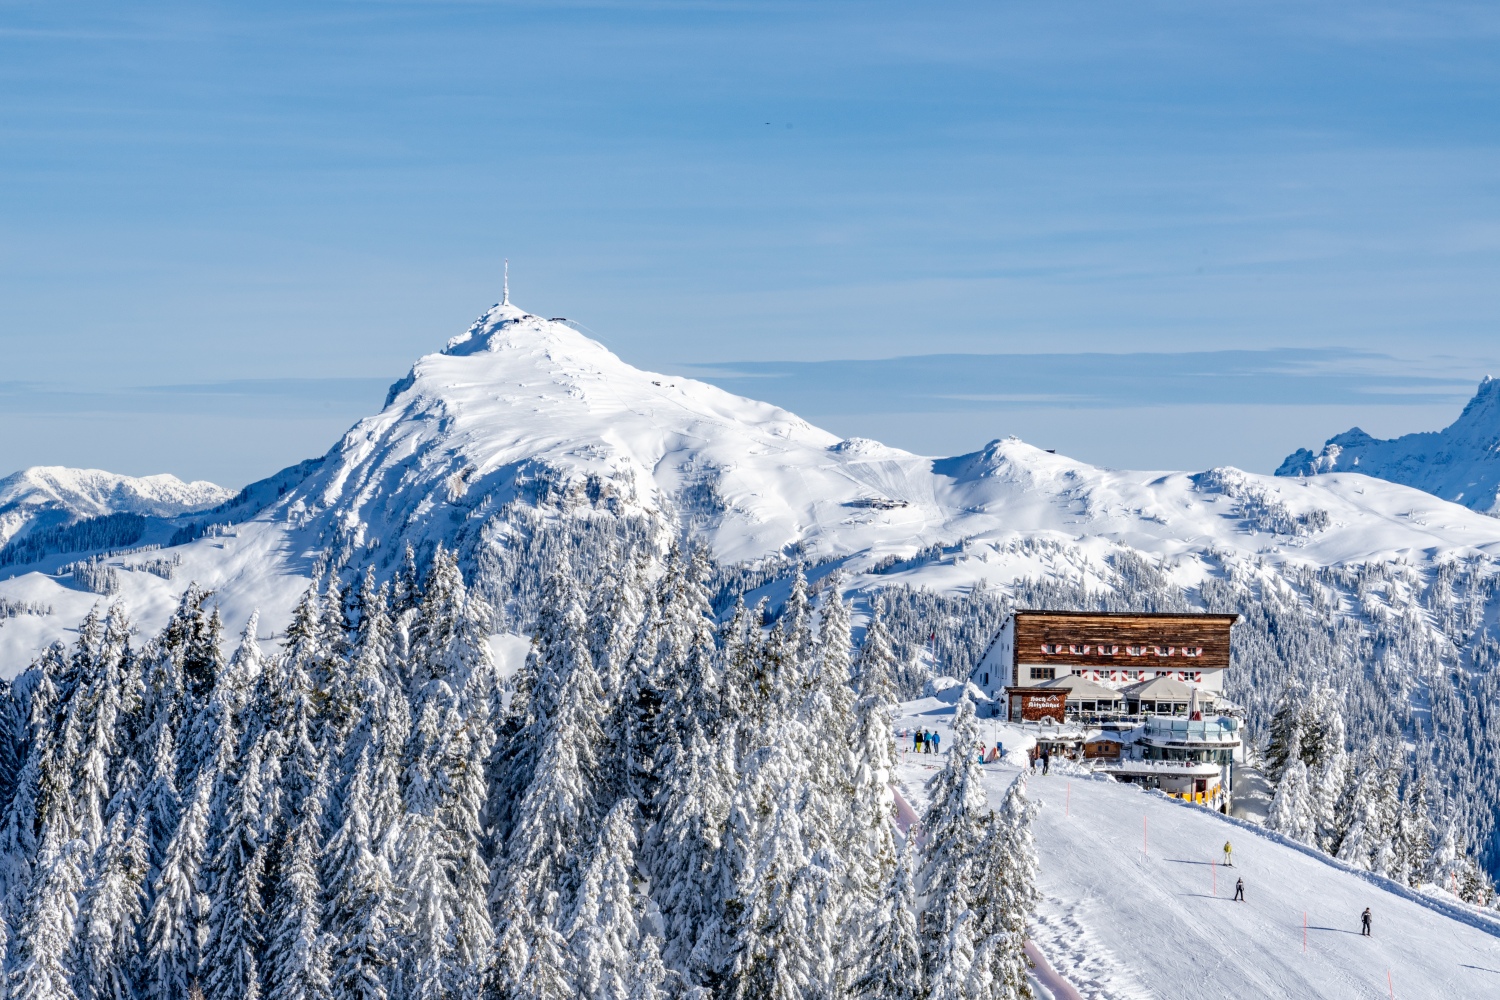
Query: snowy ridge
{"type": "Point", "coordinates": [1459, 463]}
{"type": "Point", "coordinates": [50, 494]}
{"type": "Point", "coordinates": [518, 396]}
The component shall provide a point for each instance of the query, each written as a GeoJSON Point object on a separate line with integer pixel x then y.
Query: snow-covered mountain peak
{"type": "Point", "coordinates": [520, 404]}
{"type": "Point", "coordinates": [1482, 413]}
{"type": "Point", "coordinates": [1459, 463]}
{"type": "Point", "coordinates": [506, 327]}
{"type": "Point", "coordinates": [1011, 460]}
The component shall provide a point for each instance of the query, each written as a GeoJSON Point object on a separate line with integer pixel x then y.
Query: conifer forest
{"type": "Point", "coordinates": [660, 803]}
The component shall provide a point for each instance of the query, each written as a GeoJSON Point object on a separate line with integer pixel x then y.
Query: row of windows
{"type": "Point", "coordinates": [1109, 649]}
{"type": "Point", "coordinates": [1117, 676]}
{"type": "Point", "coordinates": [1193, 756]}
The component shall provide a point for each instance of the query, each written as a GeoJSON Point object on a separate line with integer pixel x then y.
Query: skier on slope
{"type": "Point", "coordinates": [1364, 923]}
{"type": "Point", "coordinates": [1228, 855]}
{"type": "Point", "coordinates": [1239, 890]}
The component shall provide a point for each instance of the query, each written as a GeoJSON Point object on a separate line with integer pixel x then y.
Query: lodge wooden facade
{"type": "Point", "coordinates": [1110, 662]}
{"type": "Point", "coordinates": [1112, 641]}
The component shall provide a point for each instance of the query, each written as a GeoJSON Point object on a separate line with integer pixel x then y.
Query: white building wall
{"type": "Point", "coordinates": [992, 675]}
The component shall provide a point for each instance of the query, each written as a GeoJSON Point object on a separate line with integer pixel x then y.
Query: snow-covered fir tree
{"type": "Point", "coordinates": [175, 925]}
{"type": "Point", "coordinates": [1293, 811]}
{"type": "Point", "coordinates": [111, 913]}
{"type": "Point", "coordinates": [297, 947]}
{"type": "Point", "coordinates": [892, 966]}
{"type": "Point", "coordinates": [868, 834]}
{"type": "Point", "coordinates": [604, 931]}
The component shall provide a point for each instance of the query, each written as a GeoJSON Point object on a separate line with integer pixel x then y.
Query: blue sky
{"type": "Point", "coordinates": [204, 206]}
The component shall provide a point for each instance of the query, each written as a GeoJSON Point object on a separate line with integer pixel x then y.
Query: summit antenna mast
{"type": "Point", "coordinates": [505, 289]}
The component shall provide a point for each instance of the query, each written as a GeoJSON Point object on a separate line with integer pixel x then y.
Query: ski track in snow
{"type": "Point", "coordinates": [1062, 933]}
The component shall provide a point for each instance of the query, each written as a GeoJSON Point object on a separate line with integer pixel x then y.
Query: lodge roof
{"type": "Point", "coordinates": [1082, 689]}
{"type": "Point", "coordinates": [1161, 688]}
{"type": "Point", "coordinates": [1163, 615]}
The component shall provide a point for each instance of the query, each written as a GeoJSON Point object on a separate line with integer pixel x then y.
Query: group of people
{"type": "Point", "coordinates": [1239, 891]}
{"type": "Point", "coordinates": [924, 742]}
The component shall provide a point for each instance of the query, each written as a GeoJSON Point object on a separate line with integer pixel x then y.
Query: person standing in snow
{"type": "Point", "coordinates": [1239, 890]}
{"type": "Point", "coordinates": [1228, 855]}
{"type": "Point", "coordinates": [916, 741]}
{"type": "Point", "coordinates": [1364, 923]}
{"type": "Point", "coordinates": [937, 743]}
{"type": "Point", "coordinates": [1046, 762]}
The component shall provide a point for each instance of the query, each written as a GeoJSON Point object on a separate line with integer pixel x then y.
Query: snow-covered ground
{"type": "Point", "coordinates": [1134, 904]}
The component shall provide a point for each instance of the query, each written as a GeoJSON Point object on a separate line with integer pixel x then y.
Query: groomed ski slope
{"type": "Point", "coordinates": [1120, 922]}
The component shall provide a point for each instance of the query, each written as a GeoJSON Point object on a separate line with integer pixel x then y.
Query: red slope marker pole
{"type": "Point", "coordinates": [1391, 985]}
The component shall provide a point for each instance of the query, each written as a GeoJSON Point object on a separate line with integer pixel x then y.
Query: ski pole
{"type": "Point", "coordinates": [1213, 867]}
{"type": "Point", "coordinates": [1304, 932]}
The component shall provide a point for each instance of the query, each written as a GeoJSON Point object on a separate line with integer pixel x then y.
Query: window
{"type": "Point", "coordinates": [1043, 673]}
{"type": "Point", "coordinates": [986, 679]}
{"type": "Point", "coordinates": [1136, 650]}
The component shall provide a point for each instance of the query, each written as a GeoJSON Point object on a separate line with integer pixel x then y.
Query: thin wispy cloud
{"type": "Point", "coordinates": [955, 382]}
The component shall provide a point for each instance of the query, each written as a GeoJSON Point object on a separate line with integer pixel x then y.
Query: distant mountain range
{"type": "Point", "coordinates": [46, 497]}
{"type": "Point", "coordinates": [523, 424]}
{"type": "Point", "coordinates": [1460, 463]}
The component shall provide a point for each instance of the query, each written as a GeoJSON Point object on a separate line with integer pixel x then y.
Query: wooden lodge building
{"type": "Point", "coordinates": [1047, 666]}
{"type": "Point", "coordinates": [1139, 696]}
